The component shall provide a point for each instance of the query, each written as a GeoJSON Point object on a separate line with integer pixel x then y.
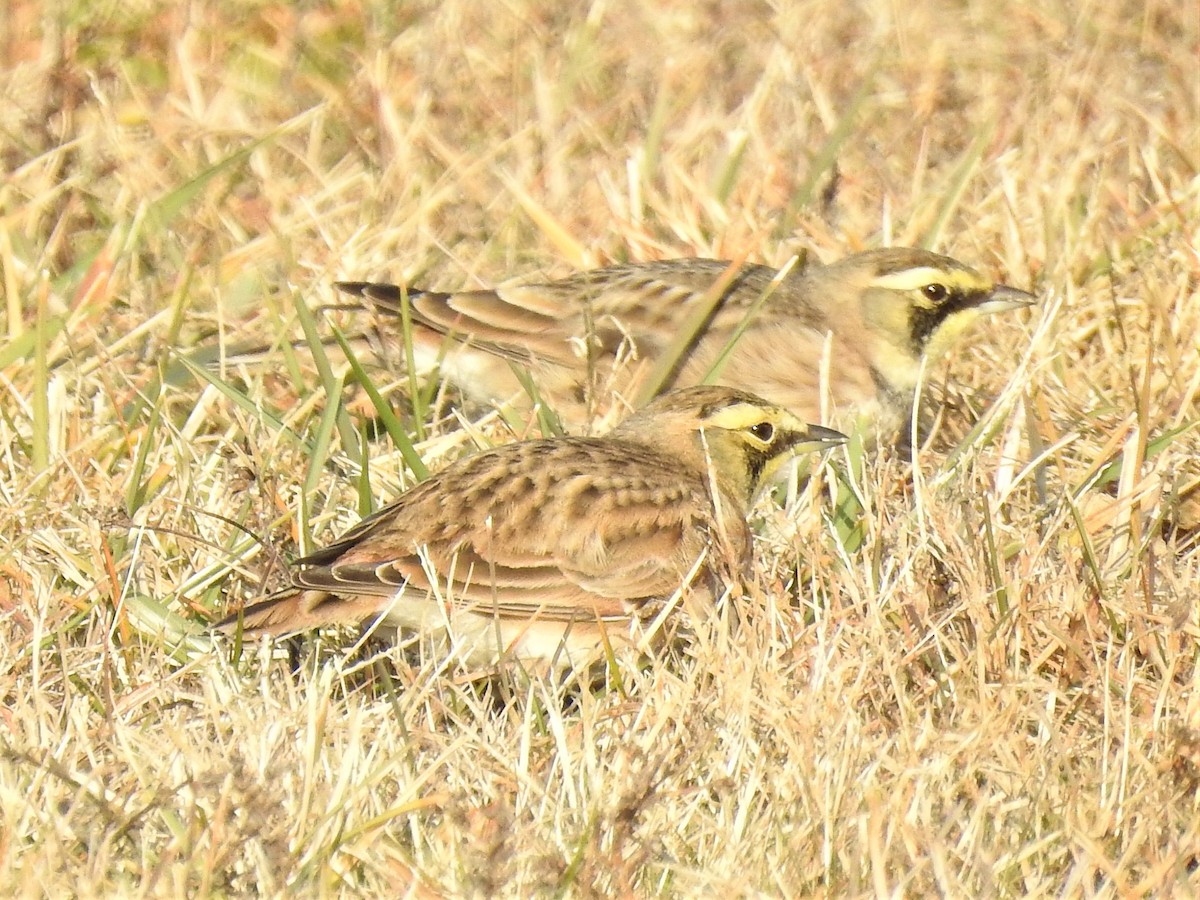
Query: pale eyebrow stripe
{"type": "Point", "coordinates": [910, 279]}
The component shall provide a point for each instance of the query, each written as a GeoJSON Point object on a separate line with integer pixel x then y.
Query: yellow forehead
{"type": "Point", "coordinates": [916, 278]}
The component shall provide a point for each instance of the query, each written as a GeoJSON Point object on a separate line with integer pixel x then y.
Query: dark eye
{"type": "Point", "coordinates": [764, 431]}
{"type": "Point", "coordinates": [934, 292]}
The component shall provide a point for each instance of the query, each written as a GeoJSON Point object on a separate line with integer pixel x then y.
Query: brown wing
{"type": "Point", "coordinates": [554, 530]}
{"type": "Point", "coordinates": [548, 321]}
{"type": "Point", "coordinates": [551, 591]}
{"type": "Point", "coordinates": [563, 527]}
{"type": "Point", "coordinates": [489, 320]}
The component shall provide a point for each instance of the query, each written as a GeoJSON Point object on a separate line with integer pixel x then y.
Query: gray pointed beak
{"type": "Point", "coordinates": [1003, 298]}
{"type": "Point", "coordinates": [818, 437]}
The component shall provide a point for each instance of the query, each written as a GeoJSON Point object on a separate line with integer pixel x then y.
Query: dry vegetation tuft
{"type": "Point", "coordinates": [976, 676]}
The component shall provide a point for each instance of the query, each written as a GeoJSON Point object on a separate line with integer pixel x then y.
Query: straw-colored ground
{"type": "Point", "coordinates": [982, 683]}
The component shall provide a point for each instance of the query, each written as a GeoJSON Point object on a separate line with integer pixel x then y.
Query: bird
{"type": "Point", "coordinates": [549, 550]}
{"type": "Point", "coordinates": [842, 344]}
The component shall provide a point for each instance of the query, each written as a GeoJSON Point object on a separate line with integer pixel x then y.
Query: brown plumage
{"type": "Point", "coordinates": [535, 548]}
{"type": "Point", "coordinates": [869, 321]}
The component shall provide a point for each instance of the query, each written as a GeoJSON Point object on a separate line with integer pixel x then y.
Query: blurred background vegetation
{"type": "Point", "coordinates": [996, 693]}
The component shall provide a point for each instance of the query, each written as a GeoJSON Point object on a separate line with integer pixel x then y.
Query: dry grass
{"type": "Point", "coordinates": [988, 685]}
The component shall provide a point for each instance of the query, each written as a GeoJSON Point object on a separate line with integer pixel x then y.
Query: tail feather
{"type": "Point", "coordinates": [291, 611]}
{"type": "Point", "coordinates": [384, 297]}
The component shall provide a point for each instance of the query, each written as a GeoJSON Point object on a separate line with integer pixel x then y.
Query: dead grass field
{"type": "Point", "coordinates": [985, 683]}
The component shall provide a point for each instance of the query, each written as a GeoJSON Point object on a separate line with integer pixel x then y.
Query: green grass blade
{"type": "Point", "coordinates": [826, 159]}
{"type": "Point", "coordinates": [714, 370]}
{"type": "Point", "coordinates": [1112, 472]}
{"type": "Point", "coordinates": [366, 498]}
{"type": "Point", "coordinates": [135, 490]}
{"type": "Point", "coordinates": [321, 442]}
{"type": "Point", "coordinates": [549, 422]}
{"type": "Point", "coordinates": [391, 422]}
{"type": "Point", "coordinates": [26, 343]}
{"type": "Point", "coordinates": [952, 196]}
{"type": "Point", "coordinates": [165, 209]}
{"type": "Point", "coordinates": [666, 369]}
{"type": "Point", "coordinates": [414, 387]}
{"type": "Point", "coordinates": [240, 399]}
{"type": "Point", "coordinates": [734, 158]}
{"type": "Point", "coordinates": [332, 384]}
{"type": "Point", "coordinates": [40, 401]}
{"type": "Point", "coordinates": [652, 155]}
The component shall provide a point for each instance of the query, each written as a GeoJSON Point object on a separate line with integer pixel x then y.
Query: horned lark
{"type": "Point", "coordinates": [856, 331]}
{"type": "Point", "coordinates": [546, 549]}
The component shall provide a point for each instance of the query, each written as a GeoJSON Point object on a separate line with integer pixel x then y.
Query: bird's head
{"type": "Point", "coordinates": [915, 305]}
{"type": "Point", "coordinates": [738, 438]}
